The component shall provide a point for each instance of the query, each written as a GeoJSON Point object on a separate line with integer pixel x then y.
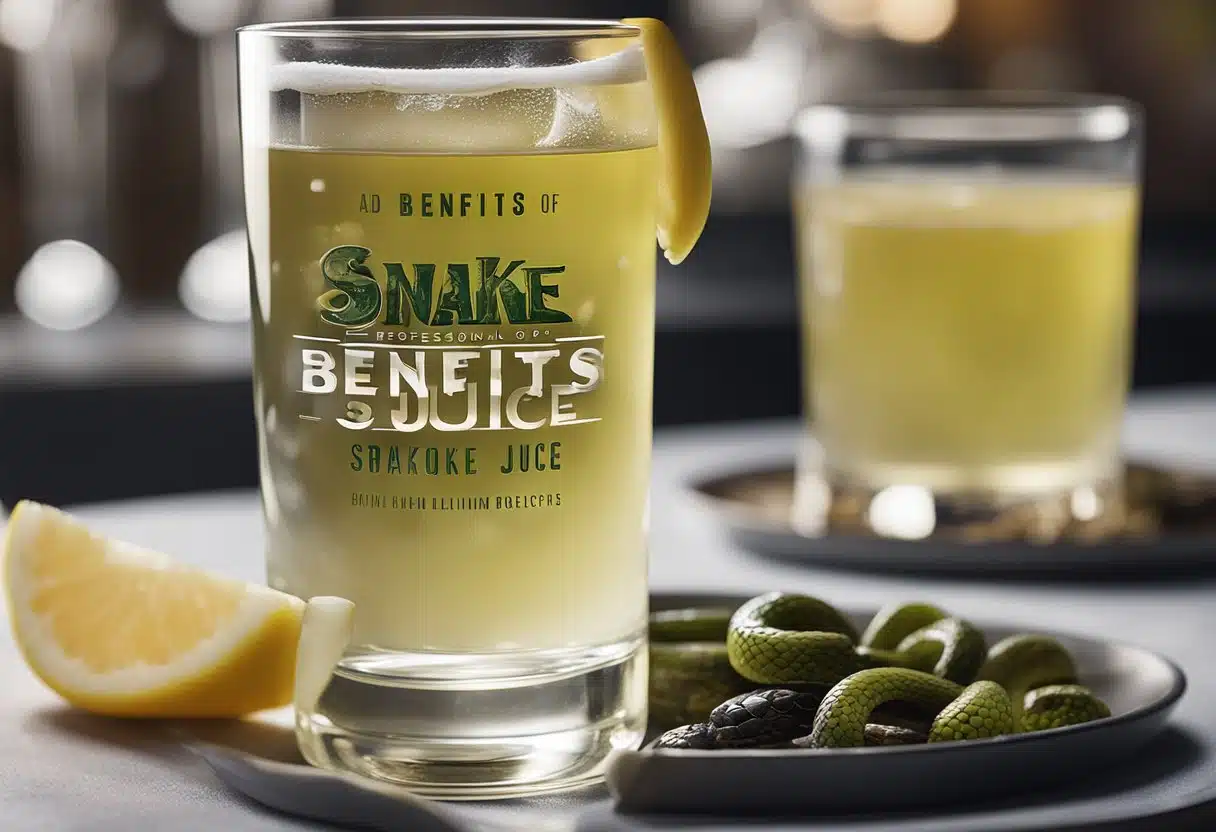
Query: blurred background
{"type": "Point", "coordinates": [123, 281]}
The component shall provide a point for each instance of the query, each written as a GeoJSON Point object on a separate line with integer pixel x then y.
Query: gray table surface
{"type": "Point", "coordinates": [63, 770]}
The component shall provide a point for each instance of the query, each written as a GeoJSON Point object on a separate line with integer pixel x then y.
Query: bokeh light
{"type": "Point", "coordinates": [25, 25]}
{"type": "Point", "coordinates": [207, 18]}
{"type": "Point", "coordinates": [294, 9]}
{"type": "Point", "coordinates": [750, 100]}
{"type": "Point", "coordinates": [66, 285]}
{"type": "Point", "coordinates": [214, 285]}
{"type": "Point", "coordinates": [905, 512]}
{"type": "Point", "coordinates": [916, 21]}
{"type": "Point", "coordinates": [851, 17]}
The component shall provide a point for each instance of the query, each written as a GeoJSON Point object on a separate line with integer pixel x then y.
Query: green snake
{"type": "Point", "coordinates": [1055, 706]}
{"type": "Point", "coordinates": [977, 711]}
{"type": "Point", "coordinates": [1023, 663]}
{"type": "Point", "coordinates": [778, 638]}
{"type": "Point", "coordinates": [895, 622]}
{"type": "Point", "coordinates": [781, 638]}
{"type": "Point", "coordinates": [690, 673]}
{"type": "Point", "coordinates": [914, 657]}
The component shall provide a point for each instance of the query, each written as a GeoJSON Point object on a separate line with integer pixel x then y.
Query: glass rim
{"type": "Point", "coordinates": [443, 27]}
{"type": "Point", "coordinates": [946, 116]}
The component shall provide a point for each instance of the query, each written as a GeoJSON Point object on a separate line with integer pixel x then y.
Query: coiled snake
{"type": "Point", "coordinates": [787, 668]}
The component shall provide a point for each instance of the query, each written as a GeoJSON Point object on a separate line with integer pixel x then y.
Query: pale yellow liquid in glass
{"type": "Point", "coordinates": [968, 336]}
{"type": "Point", "coordinates": [491, 561]}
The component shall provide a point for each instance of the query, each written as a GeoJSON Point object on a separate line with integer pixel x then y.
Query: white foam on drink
{"type": "Point", "coordinates": [624, 67]}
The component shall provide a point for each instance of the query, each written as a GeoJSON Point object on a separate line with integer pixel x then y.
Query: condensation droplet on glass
{"type": "Point", "coordinates": [586, 311]}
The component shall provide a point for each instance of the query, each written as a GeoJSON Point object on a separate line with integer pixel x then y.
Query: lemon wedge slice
{"type": "Point", "coordinates": [685, 167]}
{"type": "Point", "coordinates": [123, 631]}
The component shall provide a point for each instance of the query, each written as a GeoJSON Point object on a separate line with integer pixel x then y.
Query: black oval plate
{"type": "Point", "coordinates": [1141, 687]}
{"type": "Point", "coordinates": [754, 507]}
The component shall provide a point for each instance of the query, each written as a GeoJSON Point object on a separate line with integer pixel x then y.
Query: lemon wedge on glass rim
{"type": "Point", "coordinates": [686, 171]}
{"type": "Point", "coordinates": [123, 631]}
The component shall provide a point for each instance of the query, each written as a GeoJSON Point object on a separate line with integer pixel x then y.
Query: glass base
{"type": "Point", "coordinates": [480, 726]}
{"type": "Point", "coordinates": [1031, 501]}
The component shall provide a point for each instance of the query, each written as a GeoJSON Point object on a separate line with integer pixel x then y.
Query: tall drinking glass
{"type": "Point", "coordinates": [967, 285]}
{"type": "Point", "coordinates": [452, 228]}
